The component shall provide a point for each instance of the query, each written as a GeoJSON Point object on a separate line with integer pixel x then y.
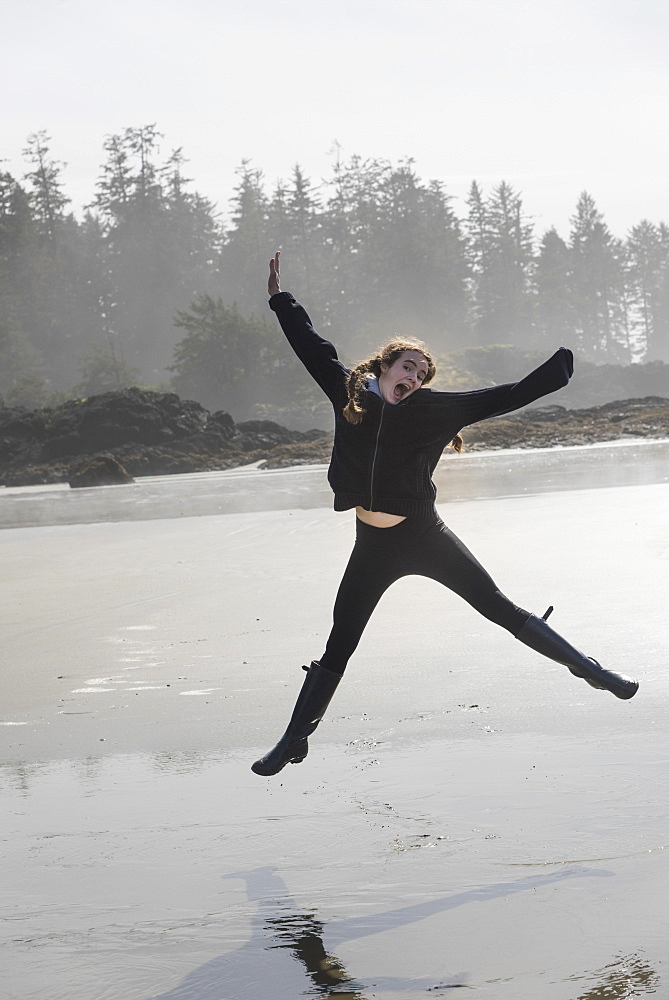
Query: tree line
{"type": "Point", "coordinates": [152, 286]}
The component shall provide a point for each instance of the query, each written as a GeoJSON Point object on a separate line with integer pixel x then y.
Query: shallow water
{"type": "Point", "coordinates": [504, 869]}
{"type": "Point", "coordinates": [458, 477]}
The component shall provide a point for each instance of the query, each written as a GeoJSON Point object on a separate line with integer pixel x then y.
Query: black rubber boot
{"type": "Point", "coordinates": [538, 635]}
{"type": "Point", "coordinates": [319, 686]}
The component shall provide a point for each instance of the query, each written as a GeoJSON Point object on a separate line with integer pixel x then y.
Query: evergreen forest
{"type": "Point", "coordinates": [152, 286]}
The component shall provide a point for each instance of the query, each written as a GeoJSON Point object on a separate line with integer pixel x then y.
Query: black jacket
{"type": "Point", "coordinates": [386, 462]}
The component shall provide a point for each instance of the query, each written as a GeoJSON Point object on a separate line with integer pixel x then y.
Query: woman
{"type": "Point", "coordinates": [390, 432]}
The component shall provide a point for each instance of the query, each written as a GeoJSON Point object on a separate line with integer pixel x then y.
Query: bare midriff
{"type": "Point", "coordinates": [377, 518]}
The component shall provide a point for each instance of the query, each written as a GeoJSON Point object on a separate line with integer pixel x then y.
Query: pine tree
{"type": "Point", "coordinates": [419, 262]}
{"type": "Point", "coordinates": [304, 233]}
{"type": "Point", "coordinates": [351, 223]}
{"type": "Point", "coordinates": [244, 254]}
{"type": "Point", "coordinates": [18, 246]}
{"type": "Point", "coordinates": [452, 316]}
{"type": "Point", "coordinates": [161, 247]}
{"type": "Point", "coordinates": [22, 365]}
{"type": "Point", "coordinates": [659, 349]}
{"type": "Point", "coordinates": [500, 251]}
{"type": "Point", "coordinates": [46, 195]}
{"type": "Point", "coordinates": [57, 312]}
{"type": "Point", "coordinates": [597, 286]}
{"type": "Point", "coordinates": [47, 314]}
{"type": "Point", "coordinates": [554, 313]}
{"type": "Point", "coordinates": [478, 248]}
{"type": "Point", "coordinates": [647, 269]}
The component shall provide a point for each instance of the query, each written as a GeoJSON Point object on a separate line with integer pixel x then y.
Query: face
{"type": "Point", "coordinates": [403, 377]}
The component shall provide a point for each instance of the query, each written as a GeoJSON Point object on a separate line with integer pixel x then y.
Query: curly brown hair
{"type": "Point", "coordinates": [354, 411]}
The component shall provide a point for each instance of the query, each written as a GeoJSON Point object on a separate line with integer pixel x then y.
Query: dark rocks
{"type": "Point", "coordinates": [314, 452]}
{"type": "Point", "coordinates": [21, 432]}
{"type": "Point", "coordinates": [265, 434]}
{"type": "Point", "coordinates": [114, 419]}
{"type": "Point", "coordinates": [546, 414]}
{"type": "Point", "coordinates": [103, 470]}
{"type": "Point", "coordinates": [148, 433]}
{"type": "Point", "coordinates": [223, 423]}
{"type": "Point", "coordinates": [547, 426]}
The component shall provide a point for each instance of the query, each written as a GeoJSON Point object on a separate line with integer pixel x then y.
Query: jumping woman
{"type": "Point", "coordinates": [390, 431]}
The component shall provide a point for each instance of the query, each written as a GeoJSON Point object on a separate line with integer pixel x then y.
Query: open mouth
{"type": "Point", "coordinates": [400, 391]}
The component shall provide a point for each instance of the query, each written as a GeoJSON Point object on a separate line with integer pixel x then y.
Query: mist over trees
{"type": "Point", "coordinates": [152, 286]}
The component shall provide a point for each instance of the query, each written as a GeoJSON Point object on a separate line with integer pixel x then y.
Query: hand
{"type": "Point", "coordinates": [273, 285]}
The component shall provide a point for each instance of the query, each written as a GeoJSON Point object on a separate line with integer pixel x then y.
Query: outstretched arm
{"type": "Point", "coordinates": [274, 283]}
{"type": "Point", "coordinates": [317, 355]}
{"type": "Point", "coordinates": [483, 403]}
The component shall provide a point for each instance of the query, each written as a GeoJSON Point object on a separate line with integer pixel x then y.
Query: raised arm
{"type": "Point", "coordinates": [317, 355]}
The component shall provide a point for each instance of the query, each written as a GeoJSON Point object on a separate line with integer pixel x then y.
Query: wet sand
{"type": "Point", "coordinates": [470, 816]}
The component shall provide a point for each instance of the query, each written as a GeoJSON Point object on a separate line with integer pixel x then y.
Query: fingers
{"type": "Point", "coordinates": [273, 284]}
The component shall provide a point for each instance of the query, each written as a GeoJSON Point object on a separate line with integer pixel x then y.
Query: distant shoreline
{"type": "Point", "coordinates": [263, 467]}
{"type": "Point", "coordinates": [151, 434]}
{"type": "Point", "coordinates": [248, 489]}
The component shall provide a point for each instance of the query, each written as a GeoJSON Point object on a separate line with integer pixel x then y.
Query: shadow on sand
{"type": "Point", "coordinates": [281, 930]}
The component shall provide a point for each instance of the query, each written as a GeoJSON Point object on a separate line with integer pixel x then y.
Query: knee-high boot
{"type": "Point", "coordinates": [538, 635]}
{"type": "Point", "coordinates": [318, 688]}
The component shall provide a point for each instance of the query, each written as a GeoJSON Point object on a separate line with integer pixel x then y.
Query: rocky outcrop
{"type": "Point", "coordinates": [151, 433]}
{"type": "Point", "coordinates": [148, 433]}
{"type": "Point", "coordinates": [103, 470]}
{"type": "Point", "coordinates": [547, 426]}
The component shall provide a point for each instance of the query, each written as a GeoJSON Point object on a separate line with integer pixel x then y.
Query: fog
{"type": "Point", "coordinates": [457, 172]}
{"type": "Point", "coordinates": [553, 97]}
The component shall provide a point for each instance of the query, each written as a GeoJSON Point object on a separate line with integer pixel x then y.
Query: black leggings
{"type": "Point", "coordinates": [411, 548]}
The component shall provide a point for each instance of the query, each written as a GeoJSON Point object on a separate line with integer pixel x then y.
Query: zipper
{"type": "Point", "coordinates": [376, 449]}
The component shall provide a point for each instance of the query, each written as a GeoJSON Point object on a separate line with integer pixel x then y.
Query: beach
{"type": "Point", "coordinates": [470, 815]}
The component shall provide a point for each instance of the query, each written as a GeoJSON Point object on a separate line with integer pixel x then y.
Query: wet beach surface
{"type": "Point", "coordinates": [521, 472]}
{"type": "Point", "coordinates": [470, 818]}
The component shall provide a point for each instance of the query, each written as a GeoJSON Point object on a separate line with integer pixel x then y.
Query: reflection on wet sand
{"type": "Point", "coordinates": [281, 924]}
{"type": "Point", "coordinates": [627, 976]}
{"type": "Point", "coordinates": [302, 934]}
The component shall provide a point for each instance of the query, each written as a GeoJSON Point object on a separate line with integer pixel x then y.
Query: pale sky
{"type": "Point", "coordinates": [553, 96]}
